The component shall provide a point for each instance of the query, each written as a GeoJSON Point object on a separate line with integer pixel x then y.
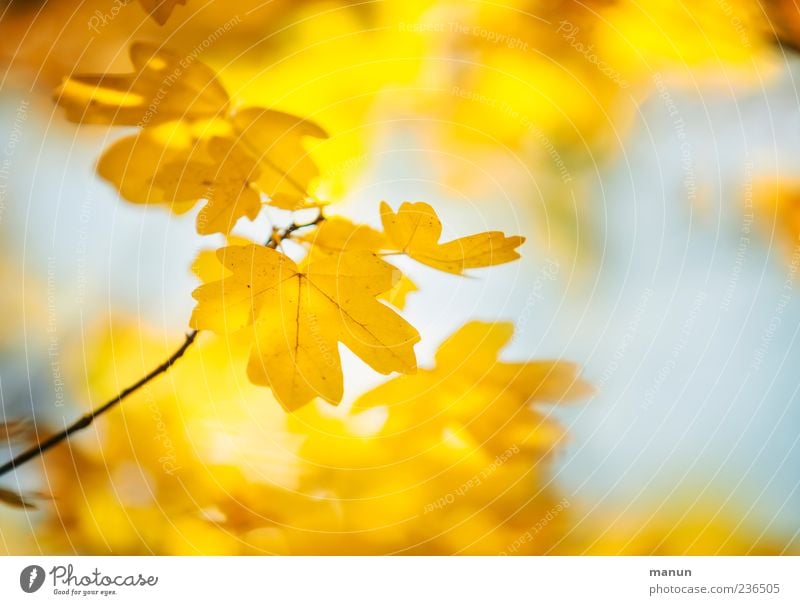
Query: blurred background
{"type": "Point", "coordinates": [648, 152]}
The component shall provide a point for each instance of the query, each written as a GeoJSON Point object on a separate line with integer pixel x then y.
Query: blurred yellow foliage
{"type": "Point", "coordinates": [452, 460]}
{"type": "Point", "coordinates": [774, 204]}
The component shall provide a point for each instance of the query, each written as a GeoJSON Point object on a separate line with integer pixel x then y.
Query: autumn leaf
{"type": "Point", "coordinates": [177, 164]}
{"type": "Point", "coordinates": [130, 163]}
{"type": "Point", "coordinates": [206, 266]}
{"type": "Point", "coordinates": [337, 234]}
{"type": "Point", "coordinates": [475, 349]}
{"type": "Point", "coordinates": [160, 10]}
{"type": "Point", "coordinates": [299, 317]}
{"type": "Point", "coordinates": [225, 181]}
{"type": "Point", "coordinates": [415, 230]}
{"type": "Point", "coordinates": [482, 399]}
{"type": "Point", "coordinates": [398, 295]}
{"type": "Point", "coordinates": [277, 141]}
{"type": "Point", "coordinates": [163, 86]}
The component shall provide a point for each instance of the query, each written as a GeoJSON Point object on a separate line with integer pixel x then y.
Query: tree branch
{"type": "Point", "coordinates": [41, 447]}
{"type": "Point", "coordinates": [86, 420]}
{"type": "Point", "coordinates": [278, 235]}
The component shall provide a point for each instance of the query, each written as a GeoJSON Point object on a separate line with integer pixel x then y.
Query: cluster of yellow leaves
{"type": "Point", "coordinates": [297, 314]}
{"type": "Point", "coordinates": [519, 88]}
{"type": "Point", "coordinates": [454, 459]}
{"type": "Point", "coordinates": [193, 144]}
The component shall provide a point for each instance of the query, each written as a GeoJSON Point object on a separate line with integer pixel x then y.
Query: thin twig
{"type": "Point", "coordinates": [278, 235]}
{"type": "Point", "coordinates": [41, 447]}
{"type": "Point", "coordinates": [86, 420]}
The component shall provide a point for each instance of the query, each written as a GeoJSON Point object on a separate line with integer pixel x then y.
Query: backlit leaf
{"type": "Point", "coordinates": [276, 140]}
{"type": "Point", "coordinates": [225, 181]}
{"type": "Point", "coordinates": [415, 230]}
{"type": "Point", "coordinates": [163, 86]}
{"type": "Point", "coordinates": [299, 317]}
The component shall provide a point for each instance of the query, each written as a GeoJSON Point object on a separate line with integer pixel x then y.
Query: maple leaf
{"type": "Point", "coordinates": [276, 140]}
{"type": "Point", "coordinates": [178, 163]}
{"type": "Point", "coordinates": [337, 234]}
{"type": "Point", "coordinates": [130, 163]}
{"type": "Point", "coordinates": [163, 86]}
{"type": "Point", "coordinates": [398, 295]}
{"type": "Point", "coordinates": [160, 10]}
{"type": "Point", "coordinates": [298, 317]}
{"type": "Point", "coordinates": [470, 391]}
{"type": "Point", "coordinates": [225, 180]}
{"type": "Point", "coordinates": [415, 230]}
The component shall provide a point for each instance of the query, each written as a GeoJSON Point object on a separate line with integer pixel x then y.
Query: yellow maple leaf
{"type": "Point", "coordinates": [163, 86]}
{"type": "Point", "coordinates": [276, 140]}
{"type": "Point", "coordinates": [160, 10]}
{"type": "Point", "coordinates": [225, 181]}
{"type": "Point", "coordinates": [130, 163]}
{"type": "Point", "coordinates": [178, 163]}
{"type": "Point", "coordinates": [299, 317]}
{"type": "Point", "coordinates": [262, 152]}
{"type": "Point", "coordinates": [206, 266]}
{"type": "Point", "coordinates": [473, 395]}
{"type": "Point", "coordinates": [337, 234]}
{"type": "Point", "coordinates": [399, 293]}
{"type": "Point", "coordinates": [415, 230]}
